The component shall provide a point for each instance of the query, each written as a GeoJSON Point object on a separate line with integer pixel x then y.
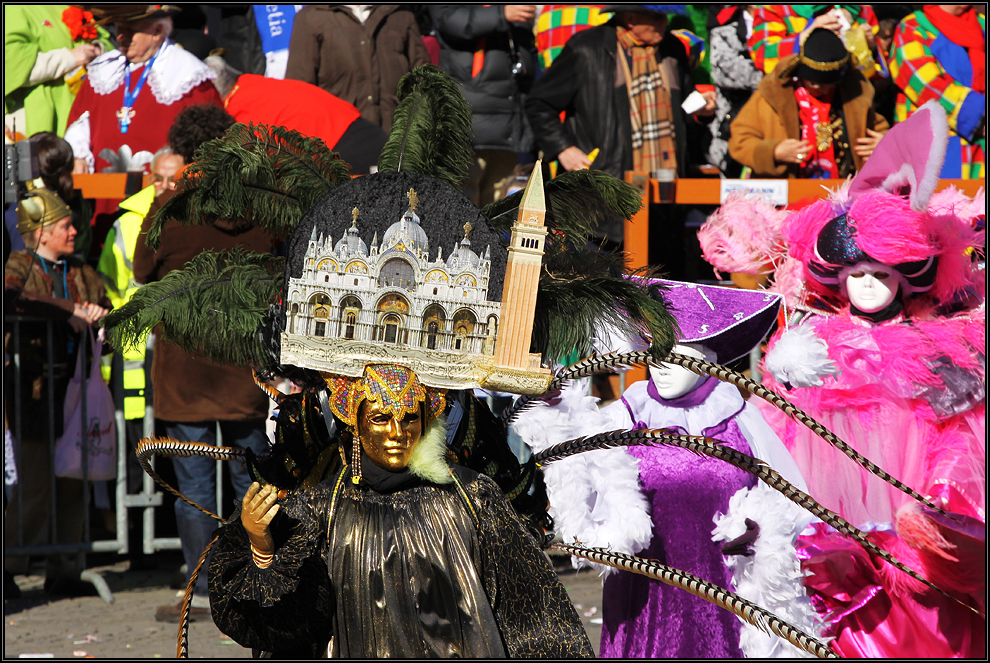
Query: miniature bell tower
{"type": "Point", "coordinates": [522, 277]}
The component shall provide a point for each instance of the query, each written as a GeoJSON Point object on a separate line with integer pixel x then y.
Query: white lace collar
{"type": "Point", "coordinates": [175, 72]}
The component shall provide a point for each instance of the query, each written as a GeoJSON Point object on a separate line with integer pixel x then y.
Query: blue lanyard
{"type": "Point", "coordinates": [130, 96]}
{"type": "Point", "coordinates": [65, 282]}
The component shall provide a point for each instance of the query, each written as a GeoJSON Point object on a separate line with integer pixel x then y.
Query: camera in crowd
{"type": "Point", "coordinates": [20, 165]}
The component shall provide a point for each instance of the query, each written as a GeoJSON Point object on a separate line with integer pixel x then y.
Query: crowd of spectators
{"type": "Point", "coordinates": [796, 91]}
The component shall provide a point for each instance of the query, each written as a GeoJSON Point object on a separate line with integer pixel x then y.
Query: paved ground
{"type": "Point", "coordinates": [64, 628]}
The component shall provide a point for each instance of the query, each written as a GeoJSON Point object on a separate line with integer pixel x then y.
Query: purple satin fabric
{"type": "Point", "coordinates": [644, 618]}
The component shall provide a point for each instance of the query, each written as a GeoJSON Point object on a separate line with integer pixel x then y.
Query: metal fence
{"type": "Point", "coordinates": [146, 500]}
{"type": "Point", "coordinates": [149, 497]}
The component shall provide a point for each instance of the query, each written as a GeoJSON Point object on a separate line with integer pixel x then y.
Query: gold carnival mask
{"type": "Point", "coordinates": [397, 408]}
{"type": "Point", "coordinates": [388, 439]}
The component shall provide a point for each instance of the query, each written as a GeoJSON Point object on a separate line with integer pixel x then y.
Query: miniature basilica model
{"type": "Point", "coordinates": [394, 292]}
{"type": "Point", "coordinates": [393, 301]}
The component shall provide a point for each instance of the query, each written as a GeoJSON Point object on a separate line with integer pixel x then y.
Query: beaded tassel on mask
{"type": "Point", "coordinates": [356, 477]}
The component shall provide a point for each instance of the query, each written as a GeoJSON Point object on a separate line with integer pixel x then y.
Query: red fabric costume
{"type": "Point", "coordinates": [308, 109]}
{"type": "Point", "coordinates": [177, 80]}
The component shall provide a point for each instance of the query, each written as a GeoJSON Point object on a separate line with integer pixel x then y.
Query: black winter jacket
{"type": "Point", "coordinates": [496, 95]}
{"type": "Point", "coordinates": [581, 81]}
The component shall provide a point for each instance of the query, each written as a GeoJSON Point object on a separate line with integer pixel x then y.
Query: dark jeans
{"type": "Point", "coordinates": [196, 477]}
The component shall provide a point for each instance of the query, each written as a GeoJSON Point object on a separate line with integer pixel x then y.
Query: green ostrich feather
{"type": "Point", "coordinates": [577, 202]}
{"type": "Point", "coordinates": [431, 128]}
{"type": "Point", "coordinates": [214, 306]}
{"type": "Point", "coordinates": [254, 175]}
{"type": "Point", "coordinates": [571, 308]}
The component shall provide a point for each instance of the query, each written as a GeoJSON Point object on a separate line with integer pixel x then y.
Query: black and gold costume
{"type": "Point", "coordinates": [398, 567]}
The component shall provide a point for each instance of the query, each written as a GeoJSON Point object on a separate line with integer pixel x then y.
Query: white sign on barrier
{"type": "Point", "coordinates": [775, 190]}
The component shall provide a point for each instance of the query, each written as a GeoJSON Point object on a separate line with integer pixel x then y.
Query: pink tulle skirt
{"type": "Point", "coordinates": [899, 436]}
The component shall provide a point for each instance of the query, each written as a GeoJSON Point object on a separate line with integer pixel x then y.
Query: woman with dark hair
{"type": "Point", "coordinates": [53, 155]}
{"type": "Point", "coordinates": [55, 168]}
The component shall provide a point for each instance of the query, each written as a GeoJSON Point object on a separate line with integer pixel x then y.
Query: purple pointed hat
{"type": "Point", "coordinates": [730, 321]}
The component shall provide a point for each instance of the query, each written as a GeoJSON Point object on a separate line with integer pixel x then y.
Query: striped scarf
{"type": "Point", "coordinates": [654, 146]}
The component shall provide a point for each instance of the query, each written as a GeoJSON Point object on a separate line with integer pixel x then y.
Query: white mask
{"type": "Point", "coordinates": [870, 286]}
{"type": "Point", "coordinates": [674, 381]}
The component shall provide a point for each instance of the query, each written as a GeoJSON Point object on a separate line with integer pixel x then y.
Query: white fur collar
{"type": "Point", "coordinates": [174, 74]}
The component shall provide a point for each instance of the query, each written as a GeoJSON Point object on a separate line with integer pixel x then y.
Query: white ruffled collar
{"type": "Point", "coordinates": [722, 403]}
{"type": "Point", "coordinates": [174, 74]}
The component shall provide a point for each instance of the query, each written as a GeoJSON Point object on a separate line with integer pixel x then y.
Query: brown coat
{"type": "Point", "coordinates": [771, 116]}
{"type": "Point", "coordinates": [361, 64]}
{"type": "Point", "coordinates": [188, 387]}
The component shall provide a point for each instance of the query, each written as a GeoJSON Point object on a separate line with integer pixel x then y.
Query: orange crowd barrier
{"type": "Point", "coordinates": [108, 185]}
{"type": "Point", "coordinates": [707, 191]}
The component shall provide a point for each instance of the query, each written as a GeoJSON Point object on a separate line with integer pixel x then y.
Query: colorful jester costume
{"type": "Point", "coordinates": [368, 313]}
{"type": "Point", "coordinates": [779, 30]}
{"type": "Point", "coordinates": [946, 64]}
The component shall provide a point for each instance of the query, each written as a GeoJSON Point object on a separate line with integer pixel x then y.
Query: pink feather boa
{"type": "Point", "coordinates": [892, 359]}
{"type": "Point", "coordinates": [743, 235]}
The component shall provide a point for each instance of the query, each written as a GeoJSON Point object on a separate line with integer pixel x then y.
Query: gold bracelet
{"type": "Point", "coordinates": [261, 560]}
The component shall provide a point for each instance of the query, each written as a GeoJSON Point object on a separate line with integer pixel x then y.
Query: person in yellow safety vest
{"type": "Point", "coordinates": [118, 273]}
{"type": "Point", "coordinates": [116, 268]}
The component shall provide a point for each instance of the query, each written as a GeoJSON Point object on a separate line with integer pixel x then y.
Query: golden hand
{"type": "Point", "coordinates": [257, 510]}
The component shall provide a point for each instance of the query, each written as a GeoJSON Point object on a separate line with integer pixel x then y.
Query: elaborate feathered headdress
{"type": "Point", "coordinates": [884, 216]}
{"type": "Point", "coordinates": [367, 280]}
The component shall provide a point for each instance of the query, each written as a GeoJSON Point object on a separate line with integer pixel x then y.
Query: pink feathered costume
{"type": "Point", "coordinates": [908, 393]}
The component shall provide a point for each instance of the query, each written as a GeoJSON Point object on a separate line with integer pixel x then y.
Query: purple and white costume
{"type": "Point", "coordinates": [668, 504]}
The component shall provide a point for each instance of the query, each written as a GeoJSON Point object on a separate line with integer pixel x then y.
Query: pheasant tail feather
{"type": "Point", "coordinates": [753, 614]}
{"type": "Point", "coordinates": [705, 368]}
